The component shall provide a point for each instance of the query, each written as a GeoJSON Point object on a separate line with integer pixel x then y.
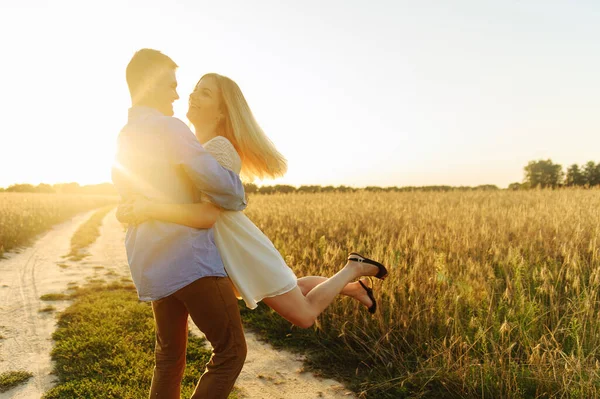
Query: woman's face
{"type": "Point", "coordinates": [205, 104]}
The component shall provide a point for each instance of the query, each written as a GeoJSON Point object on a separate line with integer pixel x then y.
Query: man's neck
{"type": "Point", "coordinates": [146, 104]}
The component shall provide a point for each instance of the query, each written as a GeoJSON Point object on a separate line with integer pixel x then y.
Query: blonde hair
{"type": "Point", "coordinates": [260, 158]}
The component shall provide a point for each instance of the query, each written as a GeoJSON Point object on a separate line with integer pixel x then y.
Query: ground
{"type": "Point", "coordinates": [26, 330]}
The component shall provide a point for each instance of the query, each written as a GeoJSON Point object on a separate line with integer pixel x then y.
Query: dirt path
{"type": "Point", "coordinates": [27, 332]}
{"type": "Point", "coordinates": [27, 343]}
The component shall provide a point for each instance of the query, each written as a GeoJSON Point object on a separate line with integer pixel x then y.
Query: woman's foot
{"type": "Point", "coordinates": [367, 267]}
{"type": "Point", "coordinates": [359, 293]}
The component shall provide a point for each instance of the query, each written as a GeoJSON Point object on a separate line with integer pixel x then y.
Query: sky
{"type": "Point", "coordinates": [358, 93]}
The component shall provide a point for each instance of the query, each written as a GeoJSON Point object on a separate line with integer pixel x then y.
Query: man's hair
{"type": "Point", "coordinates": [145, 64]}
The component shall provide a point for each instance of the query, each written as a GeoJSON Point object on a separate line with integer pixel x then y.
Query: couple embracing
{"type": "Point", "coordinates": [191, 250]}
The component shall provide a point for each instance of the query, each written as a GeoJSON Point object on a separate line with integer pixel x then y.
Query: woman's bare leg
{"type": "Point", "coordinates": [303, 310]}
{"type": "Point", "coordinates": [353, 290]}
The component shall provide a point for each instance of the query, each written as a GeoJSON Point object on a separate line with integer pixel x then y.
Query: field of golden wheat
{"type": "Point", "coordinates": [491, 294]}
{"type": "Point", "coordinates": [24, 215]}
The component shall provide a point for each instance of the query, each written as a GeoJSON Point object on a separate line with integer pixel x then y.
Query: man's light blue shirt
{"type": "Point", "coordinates": [160, 158]}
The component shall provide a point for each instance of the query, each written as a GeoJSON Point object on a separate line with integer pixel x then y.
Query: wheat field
{"type": "Point", "coordinates": [24, 215]}
{"type": "Point", "coordinates": [490, 294]}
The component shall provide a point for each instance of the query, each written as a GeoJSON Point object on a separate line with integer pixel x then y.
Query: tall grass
{"type": "Point", "coordinates": [491, 294]}
{"type": "Point", "coordinates": [23, 216]}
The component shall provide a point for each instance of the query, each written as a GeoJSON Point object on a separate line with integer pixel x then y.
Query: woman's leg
{"type": "Point", "coordinates": [303, 310]}
{"type": "Point", "coordinates": [353, 290]}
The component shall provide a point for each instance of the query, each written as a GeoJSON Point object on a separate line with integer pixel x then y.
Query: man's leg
{"type": "Point", "coordinates": [170, 316]}
{"type": "Point", "coordinates": [214, 309]}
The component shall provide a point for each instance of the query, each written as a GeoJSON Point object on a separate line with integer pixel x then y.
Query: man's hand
{"type": "Point", "coordinates": [134, 211]}
{"type": "Point", "coordinates": [124, 214]}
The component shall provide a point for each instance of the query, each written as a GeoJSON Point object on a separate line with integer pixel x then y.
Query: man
{"type": "Point", "coordinates": [176, 267]}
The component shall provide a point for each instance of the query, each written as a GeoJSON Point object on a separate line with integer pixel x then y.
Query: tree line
{"type": "Point", "coordinates": [537, 174]}
{"type": "Point", "coordinates": [546, 174]}
{"type": "Point", "coordinates": [251, 188]}
{"type": "Point", "coordinates": [284, 188]}
{"type": "Point", "coordinates": [62, 188]}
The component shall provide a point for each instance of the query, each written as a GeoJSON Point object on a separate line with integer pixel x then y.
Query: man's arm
{"type": "Point", "coordinates": [222, 186]}
{"type": "Point", "coordinates": [201, 215]}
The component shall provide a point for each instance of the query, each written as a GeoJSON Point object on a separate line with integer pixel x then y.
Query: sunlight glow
{"type": "Point", "coordinates": [409, 96]}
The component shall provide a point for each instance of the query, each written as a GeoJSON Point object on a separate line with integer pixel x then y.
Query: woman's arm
{"type": "Point", "coordinates": [201, 215]}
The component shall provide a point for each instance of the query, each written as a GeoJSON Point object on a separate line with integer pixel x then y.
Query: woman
{"type": "Point", "coordinates": [226, 127]}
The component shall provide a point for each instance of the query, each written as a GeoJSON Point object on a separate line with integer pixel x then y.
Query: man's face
{"type": "Point", "coordinates": [165, 91]}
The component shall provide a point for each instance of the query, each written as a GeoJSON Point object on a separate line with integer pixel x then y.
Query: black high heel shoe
{"type": "Point", "coordinates": [369, 290]}
{"type": "Point", "coordinates": [381, 274]}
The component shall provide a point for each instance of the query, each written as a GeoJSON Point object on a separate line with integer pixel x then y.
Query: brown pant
{"type": "Point", "coordinates": [213, 307]}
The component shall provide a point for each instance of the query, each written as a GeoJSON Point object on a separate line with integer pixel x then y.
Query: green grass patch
{"type": "Point", "coordinates": [54, 297]}
{"type": "Point", "coordinates": [11, 379]}
{"type": "Point", "coordinates": [87, 234]}
{"type": "Point", "coordinates": [47, 309]}
{"type": "Point", "coordinates": [104, 347]}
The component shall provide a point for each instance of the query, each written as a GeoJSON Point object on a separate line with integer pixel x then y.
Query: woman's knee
{"type": "Point", "coordinates": [303, 321]}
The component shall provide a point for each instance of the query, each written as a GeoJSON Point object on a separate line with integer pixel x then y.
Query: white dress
{"type": "Point", "coordinates": [255, 267]}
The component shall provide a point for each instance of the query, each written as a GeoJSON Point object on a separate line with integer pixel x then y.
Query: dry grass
{"type": "Point", "coordinates": [23, 216]}
{"type": "Point", "coordinates": [87, 234]}
{"type": "Point", "coordinates": [491, 294]}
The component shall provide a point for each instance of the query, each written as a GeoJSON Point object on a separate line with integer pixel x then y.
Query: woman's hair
{"type": "Point", "coordinates": [260, 158]}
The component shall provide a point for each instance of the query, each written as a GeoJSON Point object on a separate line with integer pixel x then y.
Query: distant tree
{"type": "Point", "coordinates": [67, 188]}
{"type": "Point", "coordinates": [309, 189]}
{"type": "Point", "coordinates": [543, 173]}
{"type": "Point", "coordinates": [285, 188]}
{"type": "Point", "coordinates": [21, 188]}
{"type": "Point", "coordinates": [344, 189]}
{"type": "Point", "coordinates": [2, 189]}
{"type": "Point", "coordinates": [591, 174]}
{"type": "Point", "coordinates": [574, 176]}
{"type": "Point", "coordinates": [44, 188]}
{"type": "Point", "coordinates": [515, 186]}
{"type": "Point", "coordinates": [250, 188]}
{"type": "Point", "coordinates": [487, 187]}
{"type": "Point", "coordinates": [266, 190]}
